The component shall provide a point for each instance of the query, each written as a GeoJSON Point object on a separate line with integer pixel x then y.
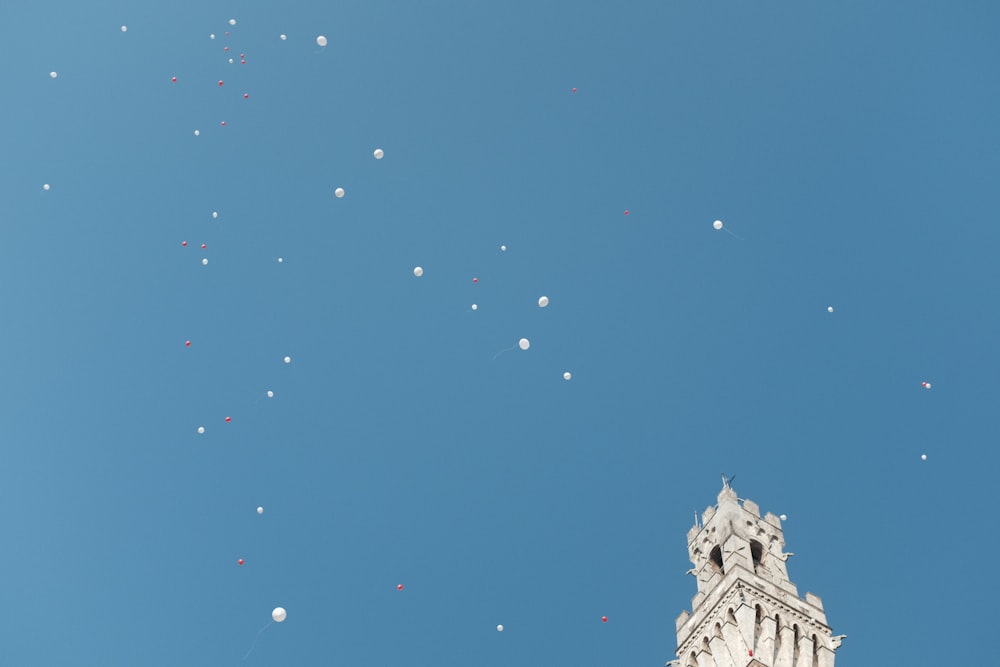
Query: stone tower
{"type": "Point", "coordinates": [746, 612]}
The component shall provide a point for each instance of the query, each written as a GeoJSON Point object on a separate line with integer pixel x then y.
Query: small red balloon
{"type": "Point", "coordinates": [399, 587]}
{"type": "Point", "coordinates": [226, 49]}
{"type": "Point", "coordinates": [174, 79]}
{"type": "Point", "coordinates": [223, 123]}
{"type": "Point", "coordinates": [246, 96]}
{"type": "Point", "coordinates": [240, 561]}
{"type": "Point", "coordinates": [243, 62]}
{"type": "Point", "coordinates": [626, 211]}
{"type": "Point", "coordinates": [475, 280]}
{"type": "Point", "coordinates": [243, 55]}
{"type": "Point", "coordinates": [604, 619]}
{"type": "Point", "coordinates": [574, 90]}
{"type": "Point", "coordinates": [187, 343]}
{"type": "Point", "coordinates": [229, 419]}
{"type": "Point", "coordinates": [204, 245]}
{"type": "Point", "coordinates": [220, 82]}
{"type": "Point", "coordinates": [184, 243]}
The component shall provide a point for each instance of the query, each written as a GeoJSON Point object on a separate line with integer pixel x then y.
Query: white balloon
{"type": "Point", "coordinates": [230, 61]}
{"type": "Point", "coordinates": [524, 343]}
{"type": "Point", "coordinates": [321, 40]}
{"type": "Point", "coordinates": [288, 360]}
{"type": "Point", "coordinates": [499, 628]}
{"type": "Point", "coordinates": [232, 21]}
{"type": "Point", "coordinates": [284, 37]}
{"type": "Point", "coordinates": [339, 192]}
{"type": "Point", "coordinates": [279, 614]}
{"type": "Point", "coordinates": [260, 510]}
{"type": "Point", "coordinates": [783, 517]}
{"type": "Point", "coordinates": [46, 186]}
{"type": "Point", "coordinates": [124, 28]}
{"type": "Point", "coordinates": [196, 133]}
{"type": "Point", "coordinates": [567, 375]}
{"type": "Point", "coordinates": [418, 271]}
{"type": "Point", "coordinates": [204, 261]}
{"type": "Point", "coordinates": [201, 429]}
{"type": "Point", "coordinates": [475, 307]}
{"type": "Point", "coordinates": [280, 260]}
{"type": "Point", "coordinates": [829, 309]}
{"type": "Point", "coordinates": [270, 394]}
{"type": "Point", "coordinates": [923, 457]}
{"type": "Point", "coordinates": [543, 301]}
{"type": "Point", "coordinates": [53, 74]}
{"type": "Point", "coordinates": [215, 214]}
{"type": "Point", "coordinates": [503, 248]}
{"type": "Point", "coordinates": [212, 36]}
{"type": "Point", "coordinates": [379, 153]}
{"type": "Point", "coordinates": [717, 224]}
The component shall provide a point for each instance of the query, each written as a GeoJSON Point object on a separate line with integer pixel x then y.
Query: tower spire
{"type": "Point", "coordinates": [727, 483]}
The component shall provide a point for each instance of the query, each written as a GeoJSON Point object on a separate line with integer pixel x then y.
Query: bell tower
{"type": "Point", "coordinates": [746, 612]}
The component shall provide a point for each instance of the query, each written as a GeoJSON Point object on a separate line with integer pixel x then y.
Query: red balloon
{"type": "Point", "coordinates": [226, 49]}
{"type": "Point", "coordinates": [604, 619]}
{"type": "Point", "coordinates": [246, 96]}
{"type": "Point", "coordinates": [220, 82]}
{"type": "Point", "coordinates": [240, 561]}
{"type": "Point", "coordinates": [475, 280]}
{"type": "Point", "coordinates": [399, 587]}
{"type": "Point", "coordinates": [223, 123]}
{"type": "Point", "coordinates": [187, 343]}
{"type": "Point", "coordinates": [574, 90]}
{"type": "Point", "coordinates": [243, 62]}
{"type": "Point", "coordinates": [626, 211]}
{"type": "Point", "coordinates": [174, 79]}
{"type": "Point", "coordinates": [203, 246]}
{"type": "Point", "coordinates": [184, 243]}
{"type": "Point", "coordinates": [243, 55]}
{"type": "Point", "coordinates": [229, 419]}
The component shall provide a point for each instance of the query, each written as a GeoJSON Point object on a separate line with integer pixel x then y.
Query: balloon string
{"type": "Point", "coordinates": [506, 349]}
{"type": "Point", "coordinates": [259, 633]}
{"type": "Point", "coordinates": [731, 234]}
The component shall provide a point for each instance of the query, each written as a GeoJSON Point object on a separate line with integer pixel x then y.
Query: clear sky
{"type": "Point", "coordinates": [850, 148]}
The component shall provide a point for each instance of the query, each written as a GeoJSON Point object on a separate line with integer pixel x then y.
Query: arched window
{"type": "Point", "coordinates": [715, 560]}
{"type": "Point", "coordinates": [757, 553]}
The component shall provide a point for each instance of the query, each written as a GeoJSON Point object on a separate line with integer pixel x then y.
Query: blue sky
{"type": "Point", "coordinates": [850, 148]}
